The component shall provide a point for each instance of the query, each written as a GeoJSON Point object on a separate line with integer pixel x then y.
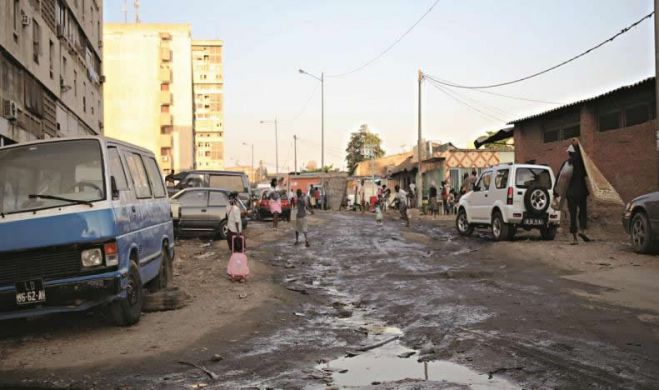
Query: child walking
{"type": "Point", "coordinates": [302, 205]}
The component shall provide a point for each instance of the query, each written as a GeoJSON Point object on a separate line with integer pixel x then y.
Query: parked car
{"type": "Point", "coordinates": [225, 180]}
{"type": "Point", "coordinates": [84, 221]}
{"type": "Point", "coordinates": [263, 206]}
{"type": "Point", "coordinates": [641, 222]}
{"type": "Point", "coordinates": [202, 211]}
{"type": "Point", "coordinates": [507, 197]}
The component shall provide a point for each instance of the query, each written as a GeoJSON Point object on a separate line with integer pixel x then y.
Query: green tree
{"type": "Point", "coordinates": [361, 142]}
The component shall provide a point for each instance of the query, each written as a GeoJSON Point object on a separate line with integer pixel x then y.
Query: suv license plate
{"type": "Point", "coordinates": [534, 221]}
{"type": "Point", "coordinates": [31, 291]}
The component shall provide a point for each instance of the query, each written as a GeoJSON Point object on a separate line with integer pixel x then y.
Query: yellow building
{"type": "Point", "coordinates": [148, 89]}
{"type": "Point", "coordinates": [50, 69]}
{"type": "Point", "coordinates": [208, 83]}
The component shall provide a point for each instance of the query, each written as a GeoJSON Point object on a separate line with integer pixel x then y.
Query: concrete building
{"type": "Point", "coordinates": [50, 69]}
{"type": "Point", "coordinates": [148, 89]}
{"type": "Point", "coordinates": [208, 83]}
{"type": "Point", "coordinates": [616, 129]}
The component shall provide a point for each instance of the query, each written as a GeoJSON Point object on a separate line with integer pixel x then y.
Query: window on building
{"type": "Point", "coordinates": [75, 83]}
{"type": "Point", "coordinates": [164, 108]}
{"type": "Point", "coordinates": [166, 130]}
{"type": "Point", "coordinates": [84, 96]}
{"type": "Point", "coordinates": [562, 128]}
{"type": "Point", "coordinates": [51, 57]}
{"type": "Point", "coordinates": [637, 114]}
{"type": "Point", "coordinates": [164, 87]}
{"type": "Point", "coordinates": [36, 41]}
{"type": "Point", "coordinates": [609, 120]}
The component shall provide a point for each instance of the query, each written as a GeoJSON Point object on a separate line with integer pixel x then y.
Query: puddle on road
{"type": "Point", "coordinates": [384, 365]}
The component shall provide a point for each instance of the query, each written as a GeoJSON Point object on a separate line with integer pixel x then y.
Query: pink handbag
{"type": "Point", "coordinates": [237, 268]}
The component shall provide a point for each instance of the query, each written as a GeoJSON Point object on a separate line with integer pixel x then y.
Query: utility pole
{"type": "Point", "coordinates": [137, 11]}
{"type": "Point", "coordinates": [419, 182]}
{"type": "Point", "coordinates": [322, 120]}
{"type": "Point", "coordinates": [276, 150]}
{"type": "Point", "coordinates": [295, 152]}
{"type": "Point", "coordinates": [125, 9]}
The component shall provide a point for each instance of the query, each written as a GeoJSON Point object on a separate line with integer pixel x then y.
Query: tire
{"type": "Point", "coordinates": [462, 224]}
{"type": "Point", "coordinates": [641, 234]}
{"type": "Point", "coordinates": [500, 229]}
{"type": "Point", "coordinates": [548, 233]}
{"type": "Point", "coordinates": [165, 274]}
{"type": "Point", "coordinates": [222, 230]}
{"type": "Point", "coordinates": [536, 200]}
{"type": "Point", "coordinates": [126, 312]}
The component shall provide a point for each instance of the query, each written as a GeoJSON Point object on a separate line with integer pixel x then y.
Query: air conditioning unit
{"type": "Point", "coordinates": [26, 20]}
{"type": "Point", "coordinates": [10, 110]}
{"type": "Point", "coordinates": [60, 31]}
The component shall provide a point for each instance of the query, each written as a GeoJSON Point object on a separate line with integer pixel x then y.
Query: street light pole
{"type": "Point", "coordinates": [295, 153]}
{"type": "Point", "coordinates": [276, 144]}
{"type": "Point", "coordinates": [419, 183]}
{"type": "Point", "coordinates": [322, 114]}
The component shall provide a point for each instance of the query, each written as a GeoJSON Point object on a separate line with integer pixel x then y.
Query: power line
{"type": "Point", "coordinates": [385, 51]}
{"type": "Point", "coordinates": [621, 32]}
{"type": "Point", "coordinates": [459, 100]}
{"type": "Point", "coordinates": [517, 97]}
{"type": "Point", "coordinates": [305, 106]}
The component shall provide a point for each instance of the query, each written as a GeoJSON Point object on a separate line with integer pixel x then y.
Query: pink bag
{"type": "Point", "coordinates": [237, 268]}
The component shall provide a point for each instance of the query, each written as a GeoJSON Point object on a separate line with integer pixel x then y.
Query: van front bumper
{"type": "Point", "coordinates": [66, 295]}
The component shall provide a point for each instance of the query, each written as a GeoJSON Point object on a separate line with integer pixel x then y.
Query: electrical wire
{"type": "Point", "coordinates": [386, 50]}
{"type": "Point", "coordinates": [451, 94]}
{"type": "Point", "coordinates": [517, 97]}
{"type": "Point", "coordinates": [305, 106]}
{"type": "Point", "coordinates": [621, 32]}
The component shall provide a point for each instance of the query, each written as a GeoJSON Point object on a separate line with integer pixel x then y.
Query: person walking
{"type": "Point", "coordinates": [234, 223]}
{"type": "Point", "coordinates": [472, 180]}
{"type": "Point", "coordinates": [301, 226]}
{"type": "Point", "coordinates": [576, 193]}
{"type": "Point", "coordinates": [275, 203]}
{"type": "Point", "coordinates": [401, 199]}
{"type": "Point", "coordinates": [465, 184]}
{"type": "Point", "coordinates": [362, 196]}
{"type": "Point", "coordinates": [432, 200]}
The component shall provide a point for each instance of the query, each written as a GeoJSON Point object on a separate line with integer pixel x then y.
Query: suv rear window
{"type": "Point", "coordinates": [526, 177]}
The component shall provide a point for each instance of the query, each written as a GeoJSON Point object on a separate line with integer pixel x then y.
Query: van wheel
{"type": "Point", "coordinates": [165, 274]}
{"type": "Point", "coordinates": [548, 233]}
{"type": "Point", "coordinates": [500, 229]}
{"type": "Point", "coordinates": [463, 225]}
{"type": "Point", "coordinates": [126, 312]}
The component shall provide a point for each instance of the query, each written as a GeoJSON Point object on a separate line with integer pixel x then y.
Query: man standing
{"type": "Point", "coordinates": [472, 180]}
{"type": "Point", "coordinates": [234, 223]}
{"type": "Point", "coordinates": [577, 192]}
{"type": "Point", "coordinates": [302, 205]}
{"type": "Point", "coordinates": [362, 196]}
{"type": "Point", "coordinates": [432, 200]}
{"type": "Point", "coordinates": [401, 198]}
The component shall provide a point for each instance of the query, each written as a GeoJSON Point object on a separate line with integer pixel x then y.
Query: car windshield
{"type": "Point", "coordinates": [527, 177]}
{"type": "Point", "coordinates": [54, 174]}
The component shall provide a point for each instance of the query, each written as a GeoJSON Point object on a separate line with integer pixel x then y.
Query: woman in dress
{"type": "Point", "coordinates": [275, 203]}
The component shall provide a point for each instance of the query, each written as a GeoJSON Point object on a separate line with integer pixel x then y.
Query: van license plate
{"type": "Point", "coordinates": [534, 221]}
{"type": "Point", "coordinates": [31, 291]}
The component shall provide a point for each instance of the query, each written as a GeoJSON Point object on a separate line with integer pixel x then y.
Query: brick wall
{"type": "Point", "coordinates": [627, 156]}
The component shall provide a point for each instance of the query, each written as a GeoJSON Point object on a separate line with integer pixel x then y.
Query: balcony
{"type": "Point", "coordinates": [166, 140]}
{"type": "Point", "coordinates": [165, 97]}
{"type": "Point", "coordinates": [165, 54]}
{"type": "Point", "coordinates": [165, 119]}
{"type": "Point", "coordinates": [165, 75]}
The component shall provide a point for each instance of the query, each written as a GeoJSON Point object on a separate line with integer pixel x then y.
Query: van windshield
{"type": "Point", "coordinates": [55, 174]}
{"type": "Point", "coordinates": [527, 177]}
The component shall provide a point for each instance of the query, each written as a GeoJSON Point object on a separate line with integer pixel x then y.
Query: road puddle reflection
{"type": "Point", "coordinates": [393, 362]}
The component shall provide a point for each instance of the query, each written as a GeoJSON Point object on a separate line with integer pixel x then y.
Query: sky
{"type": "Point", "coordinates": [465, 41]}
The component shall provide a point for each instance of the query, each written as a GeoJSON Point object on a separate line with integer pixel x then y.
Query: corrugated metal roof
{"type": "Point", "coordinates": [649, 80]}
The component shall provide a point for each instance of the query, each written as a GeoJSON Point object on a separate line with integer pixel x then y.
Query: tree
{"type": "Point", "coordinates": [361, 142]}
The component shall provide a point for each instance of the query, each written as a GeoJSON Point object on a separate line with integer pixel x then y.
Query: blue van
{"type": "Point", "coordinates": [84, 221]}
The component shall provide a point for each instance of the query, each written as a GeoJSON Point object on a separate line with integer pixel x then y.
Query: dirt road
{"type": "Point", "coordinates": [412, 307]}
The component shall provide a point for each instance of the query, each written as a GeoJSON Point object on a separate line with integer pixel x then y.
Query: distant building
{"type": "Point", "coordinates": [380, 167]}
{"type": "Point", "coordinates": [50, 69]}
{"type": "Point", "coordinates": [617, 130]}
{"type": "Point", "coordinates": [148, 90]}
{"type": "Point", "coordinates": [208, 84]}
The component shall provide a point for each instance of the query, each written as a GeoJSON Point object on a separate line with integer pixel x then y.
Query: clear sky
{"type": "Point", "coordinates": [467, 41]}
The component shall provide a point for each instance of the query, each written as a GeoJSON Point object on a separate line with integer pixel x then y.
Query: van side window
{"type": "Point", "coordinates": [154, 177]}
{"type": "Point", "coordinates": [217, 199]}
{"type": "Point", "coordinates": [501, 181]}
{"type": "Point", "coordinates": [194, 199]}
{"type": "Point", "coordinates": [117, 169]}
{"type": "Point", "coordinates": [137, 171]}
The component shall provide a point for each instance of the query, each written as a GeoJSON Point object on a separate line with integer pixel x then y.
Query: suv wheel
{"type": "Point", "coordinates": [640, 234]}
{"type": "Point", "coordinates": [463, 225]}
{"type": "Point", "coordinates": [536, 200]}
{"type": "Point", "coordinates": [548, 233]}
{"type": "Point", "coordinates": [500, 229]}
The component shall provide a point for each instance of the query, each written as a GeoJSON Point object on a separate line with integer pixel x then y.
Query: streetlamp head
{"type": "Point", "coordinates": [301, 71]}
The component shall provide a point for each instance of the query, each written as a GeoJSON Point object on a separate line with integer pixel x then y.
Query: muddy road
{"type": "Point", "coordinates": [382, 307]}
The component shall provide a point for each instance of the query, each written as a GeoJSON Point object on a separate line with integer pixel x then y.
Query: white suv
{"type": "Point", "coordinates": [507, 197]}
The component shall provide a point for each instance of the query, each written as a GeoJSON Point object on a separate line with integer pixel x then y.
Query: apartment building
{"type": "Point", "coordinates": [148, 89]}
{"type": "Point", "coordinates": [208, 98]}
{"type": "Point", "coordinates": [50, 69]}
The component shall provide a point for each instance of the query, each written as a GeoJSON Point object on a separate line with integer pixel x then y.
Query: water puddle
{"type": "Point", "coordinates": [389, 364]}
